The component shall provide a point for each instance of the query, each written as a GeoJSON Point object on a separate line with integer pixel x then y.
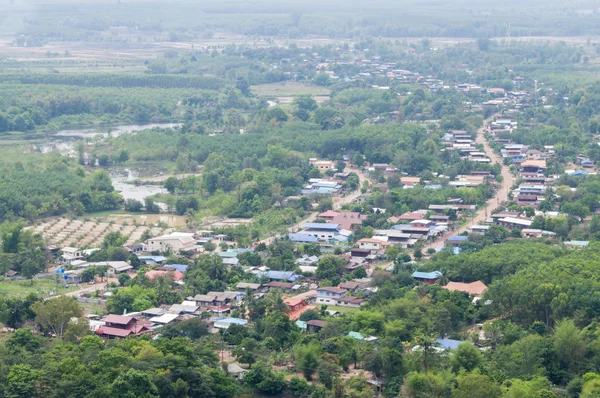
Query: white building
{"type": "Point", "coordinates": [175, 242]}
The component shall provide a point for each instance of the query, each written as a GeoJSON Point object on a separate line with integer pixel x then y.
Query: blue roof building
{"type": "Point", "coordinates": [302, 238]}
{"type": "Point", "coordinates": [356, 335]}
{"type": "Point", "coordinates": [153, 259]}
{"type": "Point", "coordinates": [321, 226]}
{"type": "Point", "coordinates": [177, 267]}
{"type": "Point", "coordinates": [284, 276]}
{"type": "Point", "coordinates": [449, 344]}
{"type": "Point", "coordinates": [429, 277]}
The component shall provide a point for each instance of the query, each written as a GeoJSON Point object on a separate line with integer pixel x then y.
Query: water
{"type": "Point", "coordinates": [124, 183]}
{"type": "Point", "coordinates": [64, 140]}
{"type": "Point", "coordinates": [113, 131]}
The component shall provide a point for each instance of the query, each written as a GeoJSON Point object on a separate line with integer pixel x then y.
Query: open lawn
{"type": "Point", "coordinates": [288, 89]}
{"type": "Point", "coordinates": [343, 310]}
{"type": "Point", "coordinates": [41, 287]}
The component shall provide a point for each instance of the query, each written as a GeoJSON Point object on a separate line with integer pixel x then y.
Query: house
{"type": "Point", "coordinates": [284, 276]}
{"type": "Point", "coordinates": [171, 274]}
{"type": "Point", "coordinates": [534, 166]}
{"type": "Point", "coordinates": [251, 286]}
{"type": "Point", "coordinates": [303, 238]}
{"type": "Point", "coordinates": [408, 216]}
{"type": "Point", "coordinates": [70, 254]}
{"type": "Point", "coordinates": [307, 260]}
{"type": "Point", "coordinates": [349, 220]}
{"type": "Point", "coordinates": [578, 244]}
{"type": "Point", "coordinates": [114, 267]}
{"type": "Point", "coordinates": [224, 323]}
{"type": "Point", "coordinates": [296, 307]}
{"type": "Point", "coordinates": [174, 242]}
{"type": "Point", "coordinates": [164, 319]}
{"type": "Point", "coordinates": [120, 326]}
{"type": "Point", "coordinates": [536, 233]}
{"type": "Point", "coordinates": [308, 269]}
{"type": "Point", "coordinates": [215, 299]}
{"type": "Point", "coordinates": [329, 295]}
{"type": "Point", "coordinates": [356, 335]}
{"type": "Point", "coordinates": [322, 165]}
{"type": "Point", "coordinates": [350, 286]}
{"type": "Point", "coordinates": [315, 325]}
{"type": "Point", "coordinates": [479, 229]}
{"type": "Point", "coordinates": [152, 260]}
{"type": "Point", "coordinates": [372, 244]}
{"type": "Point", "coordinates": [279, 285]}
{"type": "Point", "coordinates": [475, 289]}
{"type": "Point", "coordinates": [329, 215]}
{"type": "Point", "coordinates": [177, 267]}
{"type": "Point", "coordinates": [427, 277]}
{"type": "Point", "coordinates": [409, 182]}
{"type": "Point", "coordinates": [236, 371]}
{"type": "Point", "coordinates": [309, 297]}
{"type": "Point", "coordinates": [182, 309]}
{"type": "Point", "coordinates": [449, 344]}
{"type": "Point", "coordinates": [517, 223]}
{"type": "Point", "coordinates": [322, 231]}
{"type": "Point", "coordinates": [153, 312]}
{"type": "Point", "coordinates": [349, 301]}
{"type": "Point", "coordinates": [456, 240]}
{"type": "Point", "coordinates": [354, 252]}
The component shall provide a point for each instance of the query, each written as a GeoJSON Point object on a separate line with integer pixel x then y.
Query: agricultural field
{"type": "Point", "coordinates": [42, 287]}
{"type": "Point", "coordinates": [81, 233]}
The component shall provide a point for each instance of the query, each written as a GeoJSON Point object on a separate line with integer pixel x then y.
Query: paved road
{"type": "Point", "coordinates": [500, 196]}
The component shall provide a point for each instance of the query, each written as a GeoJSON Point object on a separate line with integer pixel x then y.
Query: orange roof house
{"type": "Point", "coordinates": [475, 289]}
{"type": "Point", "coordinates": [296, 307]}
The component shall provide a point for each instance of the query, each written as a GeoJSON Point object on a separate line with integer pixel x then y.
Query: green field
{"type": "Point", "coordinates": [42, 287]}
{"type": "Point", "coordinates": [343, 310]}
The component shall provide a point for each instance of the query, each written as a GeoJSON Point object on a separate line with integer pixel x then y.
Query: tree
{"type": "Point", "coordinates": [245, 352]}
{"type": "Point", "coordinates": [133, 205]}
{"type": "Point", "coordinates": [307, 359]}
{"type": "Point", "coordinates": [424, 385]}
{"type": "Point", "coordinates": [467, 357]}
{"type": "Point", "coordinates": [358, 160]}
{"type": "Point", "coordinates": [171, 184]}
{"type": "Point", "coordinates": [570, 344]}
{"type": "Point", "coordinates": [277, 114]}
{"type": "Point", "coordinates": [325, 204]}
{"type": "Point", "coordinates": [133, 384]}
{"type": "Point", "coordinates": [475, 385]}
{"type": "Point", "coordinates": [124, 279]}
{"type": "Point", "coordinates": [359, 273]}
{"type": "Point", "coordinates": [54, 314]}
{"type": "Point", "coordinates": [21, 381]}
{"type": "Point", "coordinates": [330, 268]}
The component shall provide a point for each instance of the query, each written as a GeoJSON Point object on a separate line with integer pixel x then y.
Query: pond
{"type": "Point", "coordinates": [123, 181]}
{"type": "Point", "coordinates": [64, 140]}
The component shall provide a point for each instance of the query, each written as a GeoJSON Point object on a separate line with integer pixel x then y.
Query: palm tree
{"type": "Point", "coordinates": [276, 303]}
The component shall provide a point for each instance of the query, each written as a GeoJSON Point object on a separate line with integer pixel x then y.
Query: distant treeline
{"type": "Point", "coordinates": [125, 81]}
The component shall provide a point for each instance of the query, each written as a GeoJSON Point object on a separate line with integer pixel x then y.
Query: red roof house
{"type": "Point", "coordinates": [120, 326]}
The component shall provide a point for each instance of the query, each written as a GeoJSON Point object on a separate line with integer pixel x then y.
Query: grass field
{"type": "Point", "coordinates": [41, 287]}
{"type": "Point", "coordinates": [288, 89]}
{"type": "Point", "coordinates": [343, 310]}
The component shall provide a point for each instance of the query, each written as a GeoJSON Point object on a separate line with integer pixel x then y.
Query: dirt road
{"type": "Point", "coordinates": [492, 204]}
